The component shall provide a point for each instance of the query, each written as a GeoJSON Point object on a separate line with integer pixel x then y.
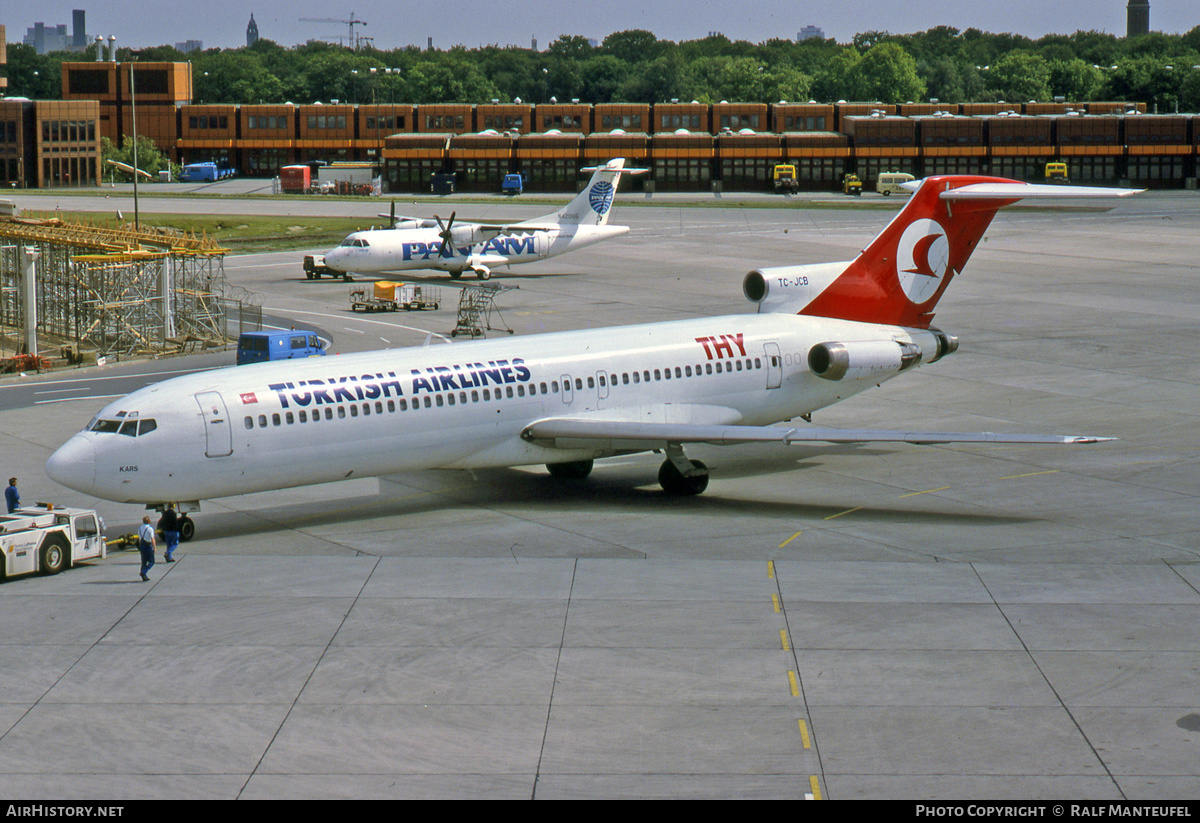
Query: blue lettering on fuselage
{"type": "Point", "coordinates": [505, 246]}
{"type": "Point", "coordinates": [469, 376]}
{"type": "Point", "coordinates": [352, 388]}
{"type": "Point", "coordinates": [425, 251]}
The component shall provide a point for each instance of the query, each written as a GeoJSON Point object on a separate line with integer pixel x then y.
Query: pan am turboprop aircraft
{"type": "Point", "coordinates": [416, 243]}
{"type": "Point", "coordinates": [567, 398]}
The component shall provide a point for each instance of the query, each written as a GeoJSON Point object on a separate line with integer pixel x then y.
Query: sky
{"type": "Point", "coordinates": [473, 23]}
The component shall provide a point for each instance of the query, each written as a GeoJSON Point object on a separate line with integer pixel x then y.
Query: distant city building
{"type": "Point", "coordinates": [251, 32]}
{"type": "Point", "coordinates": [79, 38]}
{"type": "Point", "coordinates": [46, 39]}
{"type": "Point", "coordinates": [189, 45]}
{"type": "Point", "coordinates": [1138, 18]}
{"type": "Point", "coordinates": [811, 33]}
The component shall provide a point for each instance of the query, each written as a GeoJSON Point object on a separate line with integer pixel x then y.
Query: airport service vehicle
{"type": "Point", "coordinates": [261, 346]}
{"type": "Point", "coordinates": [892, 182]}
{"type": "Point", "coordinates": [49, 539]}
{"type": "Point", "coordinates": [1057, 173]}
{"type": "Point", "coordinates": [823, 332]}
{"type": "Point", "coordinates": [314, 267]}
{"type": "Point", "coordinates": [295, 179]}
{"type": "Point", "coordinates": [479, 247]}
{"type": "Point", "coordinates": [512, 184]}
{"type": "Point", "coordinates": [388, 295]}
{"type": "Point", "coordinates": [785, 179]}
{"type": "Point", "coordinates": [204, 173]}
{"type": "Point", "coordinates": [851, 184]}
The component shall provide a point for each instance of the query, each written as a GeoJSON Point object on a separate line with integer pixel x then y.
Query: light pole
{"type": "Point", "coordinates": [133, 107]}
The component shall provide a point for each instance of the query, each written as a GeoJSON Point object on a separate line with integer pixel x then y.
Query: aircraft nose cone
{"type": "Point", "coordinates": [74, 465]}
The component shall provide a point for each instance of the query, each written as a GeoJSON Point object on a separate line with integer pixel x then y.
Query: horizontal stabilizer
{"type": "Point", "coordinates": [1022, 191]}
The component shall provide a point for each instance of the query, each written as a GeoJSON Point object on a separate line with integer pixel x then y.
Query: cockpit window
{"type": "Point", "coordinates": [131, 427]}
{"type": "Point", "coordinates": [355, 242]}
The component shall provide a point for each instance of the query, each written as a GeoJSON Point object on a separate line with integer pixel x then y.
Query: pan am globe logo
{"type": "Point", "coordinates": [601, 197]}
{"type": "Point", "coordinates": [922, 259]}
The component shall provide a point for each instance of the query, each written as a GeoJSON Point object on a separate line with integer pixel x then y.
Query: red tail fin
{"type": "Point", "coordinates": [899, 278]}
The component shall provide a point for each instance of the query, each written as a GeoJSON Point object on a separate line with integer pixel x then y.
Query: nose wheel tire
{"type": "Point", "coordinates": [187, 528]}
{"type": "Point", "coordinates": [674, 482]}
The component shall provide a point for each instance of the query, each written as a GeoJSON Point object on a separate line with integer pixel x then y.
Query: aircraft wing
{"type": "Point", "coordinates": [574, 433]}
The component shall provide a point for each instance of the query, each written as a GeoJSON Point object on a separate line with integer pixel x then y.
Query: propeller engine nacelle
{"type": "Point", "coordinates": [464, 235]}
{"type": "Point", "coordinates": [414, 223]}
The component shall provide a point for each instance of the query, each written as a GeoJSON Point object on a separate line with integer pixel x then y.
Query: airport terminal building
{"type": "Point", "coordinates": [688, 146]}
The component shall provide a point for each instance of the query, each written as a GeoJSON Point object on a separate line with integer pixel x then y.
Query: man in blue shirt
{"type": "Point", "coordinates": [11, 496]}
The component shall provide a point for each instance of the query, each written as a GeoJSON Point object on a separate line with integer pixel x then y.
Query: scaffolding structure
{"type": "Point", "coordinates": [116, 290]}
{"type": "Point", "coordinates": [475, 307]}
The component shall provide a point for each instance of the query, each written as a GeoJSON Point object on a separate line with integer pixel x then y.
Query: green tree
{"type": "Point", "coordinates": [1148, 80]}
{"type": "Point", "coordinates": [237, 77]}
{"type": "Point", "coordinates": [573, 47]}
{"type": "Point", "coordinates": [448, 81]}
{"type": "Point", "coordinates": [1019, 76]}
{"type": "Point", "coordinates": [742, 79]}
{"type": "Point", "coordinates": [653, 82]}
{"type": "Point", "coordinates": [888, 74]}
{"type": "Point", "coordinates": [635, 46]}
{"type": "Point", "coordinates": [149, 158]}
{"type": "Point", "coordinates": [601, 78]}
{"type": "Point", "coordinates": [1074, 79]}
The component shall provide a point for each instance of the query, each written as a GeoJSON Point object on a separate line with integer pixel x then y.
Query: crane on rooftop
{"type": "Point", "coordinates": [354, 40]}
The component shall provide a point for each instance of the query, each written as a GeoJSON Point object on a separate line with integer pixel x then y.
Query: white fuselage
{"type": "Point", "coordinates": [384, 250]}
{"type": "Point", "coordinates": [275, 425]}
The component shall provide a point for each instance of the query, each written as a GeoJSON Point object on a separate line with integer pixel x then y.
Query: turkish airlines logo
{"type": "Point", "coordinates": [601, 196]}
{"type": "Point", "coordinates": [922, 259]}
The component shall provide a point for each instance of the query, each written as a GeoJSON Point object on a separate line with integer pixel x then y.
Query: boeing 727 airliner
{"type": "Point", "coordinates": [478, 247]}
{"type": "Point", "coordinates": [823, 332]}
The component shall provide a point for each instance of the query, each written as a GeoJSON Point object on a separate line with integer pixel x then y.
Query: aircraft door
{"type": "Point", "coordinates": [601, 386]}
{"type": "Point", "coordinates": [568, 394]}
{"type": "Point", "coordinates": [774, 365]}
{"type": "Point", "coordinates": [217, 430]}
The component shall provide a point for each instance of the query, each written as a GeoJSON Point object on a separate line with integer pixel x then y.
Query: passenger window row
{"type": "Point", "coordinates": [463, 397]}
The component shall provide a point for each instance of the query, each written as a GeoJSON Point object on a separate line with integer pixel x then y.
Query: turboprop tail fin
{"type": "Point", "coordinates": [591, 206]}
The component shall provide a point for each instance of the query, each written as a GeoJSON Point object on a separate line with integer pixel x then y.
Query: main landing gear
{"type": "Point", "coordinates": [678, 475]}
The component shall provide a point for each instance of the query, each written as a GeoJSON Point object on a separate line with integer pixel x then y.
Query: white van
{"type": "Point", "coordinates": [889, 183]}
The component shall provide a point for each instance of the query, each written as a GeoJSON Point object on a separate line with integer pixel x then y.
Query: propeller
{"type": "Point", "coordinates": [446, 236]}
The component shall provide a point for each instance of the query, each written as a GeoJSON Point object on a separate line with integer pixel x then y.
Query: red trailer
{"type": "Point", "coordinates": [295, 179]}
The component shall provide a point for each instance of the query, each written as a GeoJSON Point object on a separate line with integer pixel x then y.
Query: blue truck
{"type": "Point", "coordinates": [260, 346]}
{"type": "Point", "coordinates": [204, 173]}
{"type": "Point", "coordinates": [512, 184]}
